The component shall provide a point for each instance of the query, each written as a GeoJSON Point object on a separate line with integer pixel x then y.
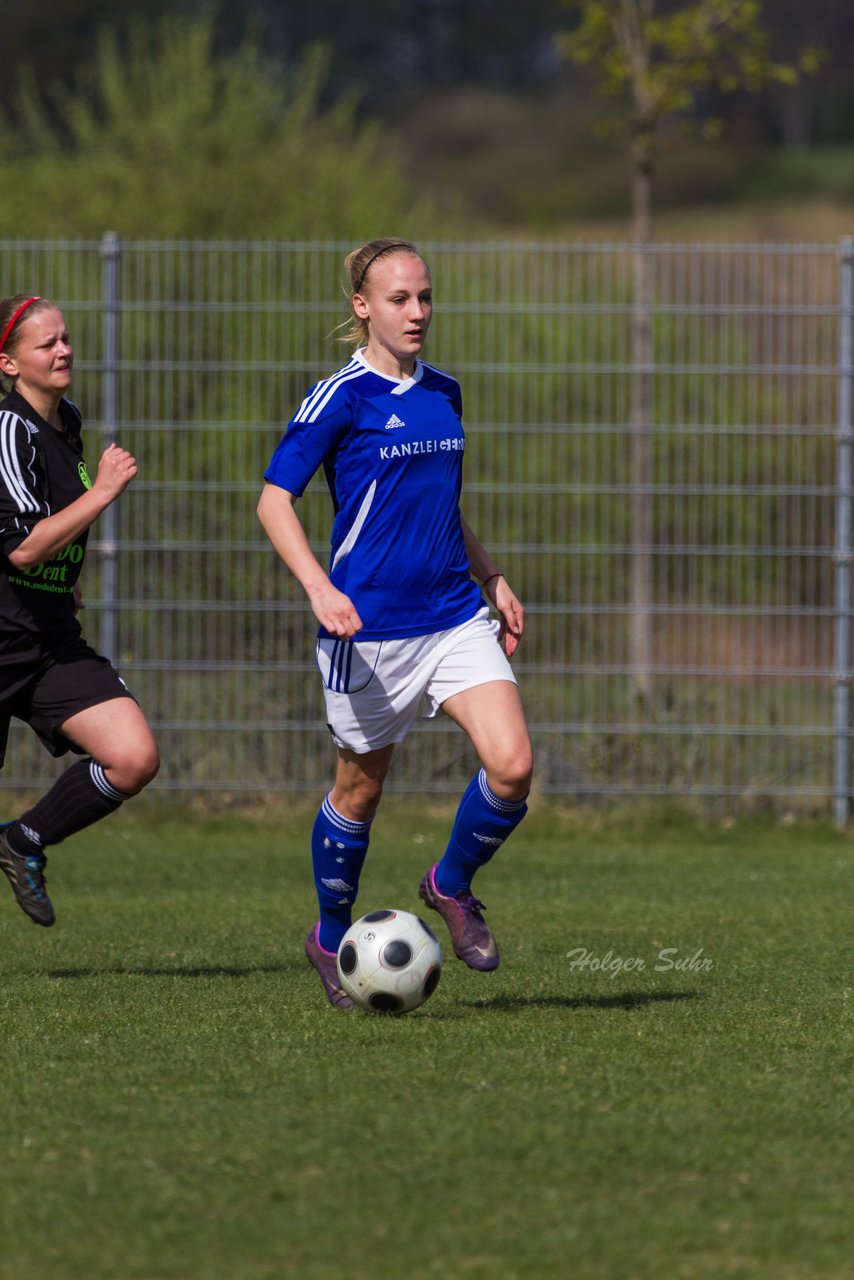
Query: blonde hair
{"type": "Point", "coordinates": [358, 265]}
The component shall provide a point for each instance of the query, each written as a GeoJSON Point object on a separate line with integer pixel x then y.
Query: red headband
{"type": "Point", "coordinates": [10, 326]}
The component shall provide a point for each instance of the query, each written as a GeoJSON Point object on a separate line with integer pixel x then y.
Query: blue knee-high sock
{"type": "Point", "coordinates": [483, 823]}
{"type": "Point", "coordinates": [338, 848]}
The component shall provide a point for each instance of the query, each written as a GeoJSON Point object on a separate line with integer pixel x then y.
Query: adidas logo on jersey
{"type": "Point", "coordinates": [394, 422]}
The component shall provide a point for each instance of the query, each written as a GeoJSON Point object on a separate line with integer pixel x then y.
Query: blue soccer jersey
{"type": "Point", "coordinates": [392, 452]}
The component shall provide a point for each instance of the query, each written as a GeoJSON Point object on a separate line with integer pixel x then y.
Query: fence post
{"type": "Point", "coordinates": [843, 558]}
{"type": "Point", "coordinates": [110, 253]}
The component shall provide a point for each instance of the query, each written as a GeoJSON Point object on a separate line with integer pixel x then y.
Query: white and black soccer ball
{"type": "Point", "coordinates": [389, 961]}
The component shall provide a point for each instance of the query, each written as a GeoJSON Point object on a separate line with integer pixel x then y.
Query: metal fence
{"type": "Point", "coordinates": [195, 354]}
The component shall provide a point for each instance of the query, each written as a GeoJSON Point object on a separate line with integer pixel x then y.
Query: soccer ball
{"type": "Point", "coordinates": [389, 961]}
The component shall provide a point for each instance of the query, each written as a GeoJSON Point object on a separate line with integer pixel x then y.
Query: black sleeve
{"type": "Point", "coordinates": [22, 502]}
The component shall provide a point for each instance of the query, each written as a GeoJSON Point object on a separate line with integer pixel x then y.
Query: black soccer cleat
{"type": "Point", "coordinates": [25, 873]}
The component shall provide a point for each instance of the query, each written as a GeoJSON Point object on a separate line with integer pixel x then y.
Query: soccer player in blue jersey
{"type": "Point", "coordinates": [49, 676]}
{"type": "Point", "coordinates": [402, 619]}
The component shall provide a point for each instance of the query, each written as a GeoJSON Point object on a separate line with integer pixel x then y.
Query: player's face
{"type": "Point", "coordinates": [42, 358]}
{"type": "Point", "coordinates": [397, 302]}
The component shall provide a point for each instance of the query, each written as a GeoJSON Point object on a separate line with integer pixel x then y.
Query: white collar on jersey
{"type": "Point", "coordinates": [401, 385]}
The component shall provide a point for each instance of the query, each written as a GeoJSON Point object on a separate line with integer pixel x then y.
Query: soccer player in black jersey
{"type": "Point", "coordinates": [49, 676]}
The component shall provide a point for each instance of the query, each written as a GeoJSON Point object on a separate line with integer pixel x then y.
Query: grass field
{"type": "Point", "coordinates": [670, 1100]}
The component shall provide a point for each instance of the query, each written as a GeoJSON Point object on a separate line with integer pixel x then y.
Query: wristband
{"type": "Point", "coordinates": [491, 576]}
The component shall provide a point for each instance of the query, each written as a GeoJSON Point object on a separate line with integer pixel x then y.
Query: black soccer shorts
{"type": "Point", "coordinates": [48, 685]}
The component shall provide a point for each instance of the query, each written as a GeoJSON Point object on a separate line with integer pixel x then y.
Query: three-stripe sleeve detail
{"type": "Point", "coordinates": [21, 486]}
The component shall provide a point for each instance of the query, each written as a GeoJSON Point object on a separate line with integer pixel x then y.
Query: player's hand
{"type": "Point", "coordinates": [115, 471]}
{"type": "Point", "coordinates": [511, 610]}
{"type": "Point", "coordinates": [335, 611]}
{"type": "Point", "coordinates": [77, 598]}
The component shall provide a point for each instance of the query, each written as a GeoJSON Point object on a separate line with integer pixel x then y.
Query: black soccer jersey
{"type": "Point", "coordinates": [42, 471]}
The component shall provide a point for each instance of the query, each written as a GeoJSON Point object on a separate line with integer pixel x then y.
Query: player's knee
{"type": "Point", "coordinates": [135, 768]}
{"type": "Point", "coordinates": [360, 800]}
{"type": "Point", "coordinates": [520, 781]}
{"type": "Point", "coordinates": [148, 765]}
{"type": "Point", "coordinates": [514, 774]}
{"type": "Point", "coordinates": [365, 804]}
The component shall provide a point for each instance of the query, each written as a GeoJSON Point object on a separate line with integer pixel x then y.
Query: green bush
{"type": "Point", "coordinates": [163, 138]}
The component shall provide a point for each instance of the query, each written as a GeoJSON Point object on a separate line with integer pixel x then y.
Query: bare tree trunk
{"type": "Point", "coordinates": [640, 633]}
{"type": "Point", "coordinates": [792, 108]}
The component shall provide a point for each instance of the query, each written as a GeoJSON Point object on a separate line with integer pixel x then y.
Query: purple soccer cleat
{"type": "Point", "coordinates": [471, 936]}
{"type": "Point", "coordinates": [327, 966]}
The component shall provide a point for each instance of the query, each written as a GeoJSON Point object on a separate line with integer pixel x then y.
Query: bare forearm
{"type": "Point", "coordinates": [56, 532]}
{"type": "Point", "coordinates": [333, 610]}
{"type": "Point", "coordinates": [284, 529]}
{"type": "Point", "coordinates": [481, 562]}
{"type": "Point", "coordinates": [496, 589]}
{"type": "Point", "coordinates": [53, 534]}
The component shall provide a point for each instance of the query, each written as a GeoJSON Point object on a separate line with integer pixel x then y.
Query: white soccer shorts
{"type": "Point", "coordinates": [374, 688]}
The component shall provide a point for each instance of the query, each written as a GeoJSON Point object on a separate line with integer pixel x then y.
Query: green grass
{"type": "Point", "coordinates": [179, 1101]}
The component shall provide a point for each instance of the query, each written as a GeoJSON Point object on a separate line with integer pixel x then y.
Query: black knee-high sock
{"type": "Point", "coordinates": [80, 796]}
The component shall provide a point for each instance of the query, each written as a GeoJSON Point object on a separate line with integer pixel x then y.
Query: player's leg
{"type": "Point", "coordinates": [494, 802]}
{"type": "Point", "coordinates": [339, 845]}
{"type": "Point", "coordinates": [115, 733]}
{"type": "Point", "coordinates": [339, 842]}
{"type": "Point", "coordinates": [474, 684]}
{"type": "Point", "coordinates": [121, 759]}
{"type": "Point", "coordinates": [25, 872]}
{"type": "Point", "coordinates": [492, 806]}
{"type": "Point", "coordinates": [372, 692]}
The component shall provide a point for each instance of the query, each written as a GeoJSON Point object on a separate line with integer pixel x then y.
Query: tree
{"type": "Point", "coordinates": [55, 43]}
{"type": "Point", "coordinates": [656, 58]}
{"type": "Point", "coordinates": [161, 136]}
{"type": "Point", "coordinates": [803, 113]}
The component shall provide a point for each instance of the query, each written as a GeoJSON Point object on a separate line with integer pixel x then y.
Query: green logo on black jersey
{"type": "Point", "coordinates": [84, 474]}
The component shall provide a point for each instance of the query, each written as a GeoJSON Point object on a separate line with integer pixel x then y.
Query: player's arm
{"type": "Point", "coordinates": [54, 533]}
{"type": "Point", "coordinates": [333, 610]}
{"type": "Point", "coordinates": [497, 589]}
